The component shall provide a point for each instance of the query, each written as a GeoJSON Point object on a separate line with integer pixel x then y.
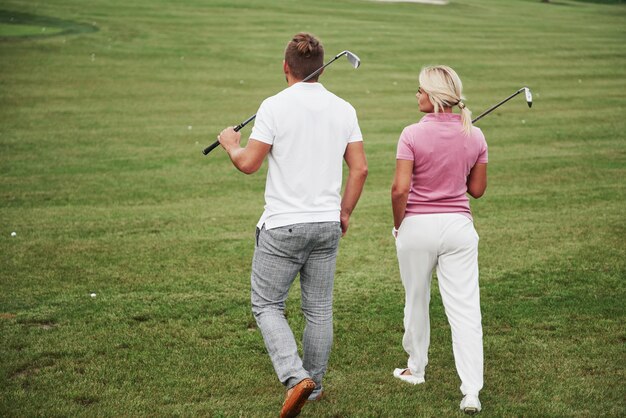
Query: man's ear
{"type": "Point", "coordinates": [286, 69]}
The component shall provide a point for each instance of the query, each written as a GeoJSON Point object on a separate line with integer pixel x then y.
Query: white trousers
{"type": "Point", "coordinates": [450, 243]}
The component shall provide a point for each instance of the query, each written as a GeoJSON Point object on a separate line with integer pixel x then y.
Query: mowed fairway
{"type": "Point", "coordinates": [103, 181]}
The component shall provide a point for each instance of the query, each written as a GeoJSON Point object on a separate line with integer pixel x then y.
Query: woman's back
{"type": "Point", "coordinates": [442, 156]}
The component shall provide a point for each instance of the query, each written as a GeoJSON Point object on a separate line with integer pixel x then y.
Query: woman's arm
{"type": "Point", "coordinates": [477, 180]}
{"type": "Point", "coordinates": [400, 190]}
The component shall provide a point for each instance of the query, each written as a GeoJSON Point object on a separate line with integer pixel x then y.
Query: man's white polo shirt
{"type": "Point", "coordinates": [309, 129]}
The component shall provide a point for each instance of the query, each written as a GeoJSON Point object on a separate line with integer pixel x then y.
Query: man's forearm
{"type": "Point", "coordinates": [353, 190]}
{"type": "Point", "coordinates": [248, 159]}
{"type": "Point", "coordinates": [237, 156]}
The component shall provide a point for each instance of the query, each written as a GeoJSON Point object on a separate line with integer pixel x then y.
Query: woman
{"type": "Point", "coordinates": [439, 160]}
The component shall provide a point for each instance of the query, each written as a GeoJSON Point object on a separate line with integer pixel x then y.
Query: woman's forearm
{"type": "Point", "coordinates": [400, 190]}
{"type": "Point", "coordinates": [398, 204]}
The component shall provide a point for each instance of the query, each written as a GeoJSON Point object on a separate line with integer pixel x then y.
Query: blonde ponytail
{"type": "Point", "coordinates": [466, 118]}
{"type": "Point", "coordinates": [445, 89]}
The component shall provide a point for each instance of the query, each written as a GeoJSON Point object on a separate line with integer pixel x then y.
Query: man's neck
{"type": "Point", "coordinates": [291, 81]}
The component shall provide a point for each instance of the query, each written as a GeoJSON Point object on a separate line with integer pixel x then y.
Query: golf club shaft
{"type": "Point", "coordinates": [494, 107]}
{"type": "Point", "coordinates": [251, 118]}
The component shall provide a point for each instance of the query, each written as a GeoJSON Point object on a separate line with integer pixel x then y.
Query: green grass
{"type": "Point", "coordinates": [103, 181]}
{"type": "Point", "coordinates": [25, 30]}
{"type": "Point", "coordinates": [17, 25]}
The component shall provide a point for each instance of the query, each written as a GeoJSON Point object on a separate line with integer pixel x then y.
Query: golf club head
{"type": "Point", "coordinates": [352, 58]}
{"type": "Point", "coordinates": [529, 96]}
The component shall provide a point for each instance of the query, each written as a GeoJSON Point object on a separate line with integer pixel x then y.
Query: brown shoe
{"type": "Point", "coordinates": [297, 398]}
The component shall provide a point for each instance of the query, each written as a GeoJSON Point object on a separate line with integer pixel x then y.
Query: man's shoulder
{"type": "Point", "coordinates": [279, 100]}
{"type": "Point", "coordinates": [341, 105]}
{"type": "Point", "coordinates": [277, 97]}
{"type": "Point", "coordinates": [287, 95]}
{"type": "Point", "coordinates": [337, 98]}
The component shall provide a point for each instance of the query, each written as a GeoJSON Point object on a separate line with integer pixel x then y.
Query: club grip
{"type": "Point", "coordinates": [210, 147]}
{"type": "Point", "coordinates": [236, 129]}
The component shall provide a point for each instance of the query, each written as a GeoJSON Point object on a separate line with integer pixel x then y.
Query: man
{"type": "Point", "coordinates": [306, 132]}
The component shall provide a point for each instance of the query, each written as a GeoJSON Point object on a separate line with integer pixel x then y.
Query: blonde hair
{"type": "Point", "coordinates": [445, 89]}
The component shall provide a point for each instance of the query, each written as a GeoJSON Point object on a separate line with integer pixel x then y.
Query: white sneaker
{"type": "Point", "coordinates": [414, 380]}
{"type": "Point", "coordinates": [470, 404]}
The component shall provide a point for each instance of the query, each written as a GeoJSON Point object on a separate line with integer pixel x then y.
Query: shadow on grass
{"type": "Point", "coordinates": [18, 18]}
{"type": "Point", "coordinates": [580, 2]}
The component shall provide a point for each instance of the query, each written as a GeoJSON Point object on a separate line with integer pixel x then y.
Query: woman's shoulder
{"type": "Point", "coordinates": [477, 134]}
{"type": "Point", "coordinates": [414, 127]}
{"type": "Point", "coordinates": [416, 130]}
{"type": "Point", "coordinates": [409, 132]}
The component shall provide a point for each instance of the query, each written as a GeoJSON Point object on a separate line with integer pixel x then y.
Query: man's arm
{"type": "Point", "coordinates": [247, 160]}
{"type": "Point", "coordinates": [357, 173]}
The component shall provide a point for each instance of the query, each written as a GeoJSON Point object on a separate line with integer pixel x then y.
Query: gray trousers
{"type": "Point", "coordinates": [280, 254]}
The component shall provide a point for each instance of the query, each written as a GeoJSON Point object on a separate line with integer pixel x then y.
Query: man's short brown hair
{"type": "Point", "coordinates": [304, 54]}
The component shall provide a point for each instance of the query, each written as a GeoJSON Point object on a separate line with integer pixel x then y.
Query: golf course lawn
{"type": "Point", "coordinates": [125, 253]}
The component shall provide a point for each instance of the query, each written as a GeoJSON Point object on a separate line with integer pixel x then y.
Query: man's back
{"type": "Point", "coordinates": [309, 129]}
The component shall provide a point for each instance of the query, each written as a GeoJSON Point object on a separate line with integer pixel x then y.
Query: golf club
{"type": "Point", "coordinates": [529, 100]}
{"type": "Point", "coordinates": [352, 58]}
